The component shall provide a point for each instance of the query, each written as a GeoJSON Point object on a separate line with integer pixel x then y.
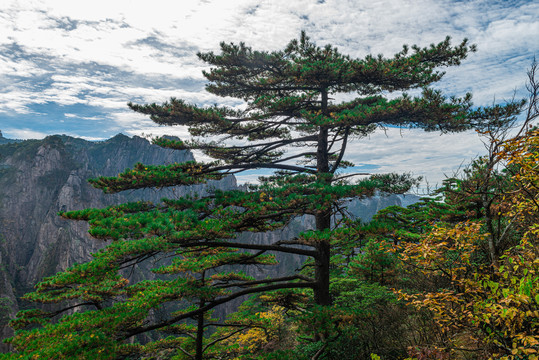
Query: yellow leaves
{"type": "Point", "coordinates": [445, 251]}
{"type": "Point", "coordinates": [267, 328]}
{"type": "Point", "coordinates": [194, 169]}
{"type": "Point", "coordinates": [530, 341]}
{"type": "Point", "coordinates": [502, 306]}
{"type": "Point", "coordinates": [523, 157]}
{"type": "Point", "coordinates": [265, 197]}
{"type": "Point", "coordinates": [524, 346]}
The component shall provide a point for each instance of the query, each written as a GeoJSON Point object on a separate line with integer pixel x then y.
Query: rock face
{"type": "Point", "coordinates": [39, 178]}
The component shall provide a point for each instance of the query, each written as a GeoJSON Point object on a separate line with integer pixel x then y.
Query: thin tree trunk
{"type": "Point", "coordinates": [200, 326]}
{"type": "Point", "coordinates": [487, 205]}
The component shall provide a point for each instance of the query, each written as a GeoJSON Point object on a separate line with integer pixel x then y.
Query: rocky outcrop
{"type": "Point", "coordinates": [39, 178]}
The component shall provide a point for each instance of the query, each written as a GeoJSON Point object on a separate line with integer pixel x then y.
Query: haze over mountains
{"type": "Point", "coordinates": [39, 178]}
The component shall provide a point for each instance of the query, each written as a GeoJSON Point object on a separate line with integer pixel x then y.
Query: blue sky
{"type": "Point", "coordinates": [71, 66]}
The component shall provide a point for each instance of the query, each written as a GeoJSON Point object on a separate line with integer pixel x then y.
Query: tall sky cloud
{"type": "Point", "coordinates": [71, 67]}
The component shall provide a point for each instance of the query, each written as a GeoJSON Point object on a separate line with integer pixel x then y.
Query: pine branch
{"type": "Point", "coordinates": [215, 303]}
{"type": "Point", "coordinates": [237, 245]}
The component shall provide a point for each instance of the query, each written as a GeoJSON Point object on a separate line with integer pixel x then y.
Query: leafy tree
{"type": "Point", "coordinates": [483, 258]}
{"type": "Point", "coordinates": [291, 124]}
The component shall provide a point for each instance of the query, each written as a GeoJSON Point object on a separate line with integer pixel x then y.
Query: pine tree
{"type": "Point", "coordinates": [289, 105]}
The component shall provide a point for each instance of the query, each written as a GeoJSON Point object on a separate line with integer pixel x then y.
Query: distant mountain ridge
{"type": "Point", "coordinates": [4, 140]}
{"type": "Point", "coordinates": [38, 178]}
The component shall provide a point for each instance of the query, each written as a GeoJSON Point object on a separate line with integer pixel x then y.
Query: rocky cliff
{"type": "Point", "coordinates": [38, 178]}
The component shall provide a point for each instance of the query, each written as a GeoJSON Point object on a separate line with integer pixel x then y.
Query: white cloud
{"type": "Point", "coordinates": [21, 67]}
{"type": "Point", "coordinates": [88, 138]}
{"type": "Point", "coordinates": [81, 33]}
{"type": "Point", "coordinates": [75, 116]}
{"type": "Point", "coordinates": [71, 53]}
{"type": "Point", "coordinates": [12, 133]}
{"type": "Point", "coordinates": [16, 102]}
{"type": "Point", "coordinates": [421, 153]}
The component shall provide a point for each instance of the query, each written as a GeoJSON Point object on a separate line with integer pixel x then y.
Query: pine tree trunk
{"type": "Point", "coordinates": [200, 333]}
{"type": "Point", "coordinates": [323, 219]}
{"type": "Point", "coordinates": [321, 292]}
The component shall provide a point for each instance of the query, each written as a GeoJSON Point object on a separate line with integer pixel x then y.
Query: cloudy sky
{"type": "Point", "coordinates": [70, 67]}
